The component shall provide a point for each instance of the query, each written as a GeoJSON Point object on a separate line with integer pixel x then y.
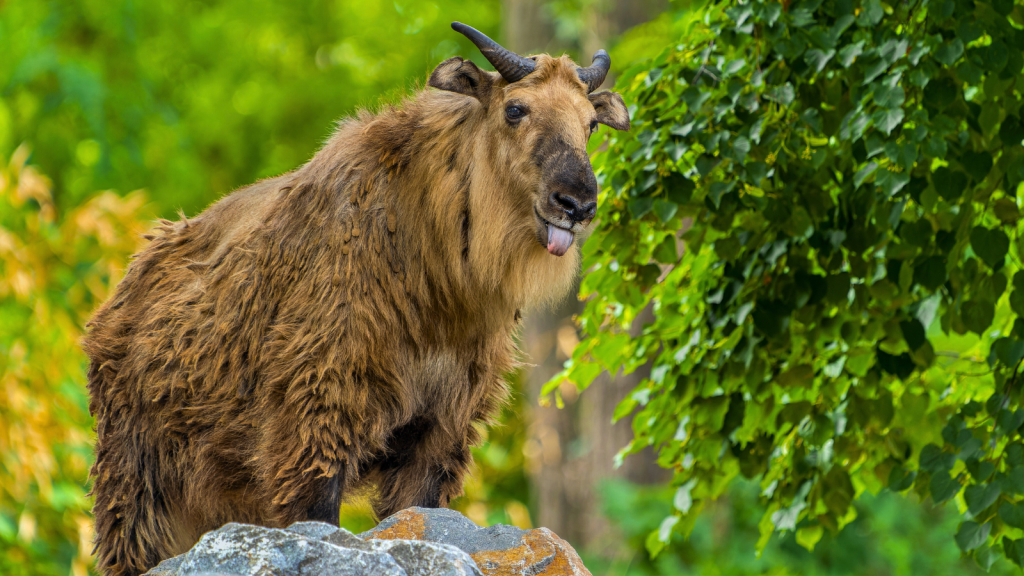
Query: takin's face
{"type": "Point", "coordinates": [538, 128]}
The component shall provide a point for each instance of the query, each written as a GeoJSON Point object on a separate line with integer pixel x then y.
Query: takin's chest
{"type": "Point", "coordinates": [448, 378]}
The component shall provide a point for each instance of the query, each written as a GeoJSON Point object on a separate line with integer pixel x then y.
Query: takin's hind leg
{"type": "Point", "coordinates": [422, 468]}
{"type": "Point", "coordinates": [136, 527]}
{"type": "Point", "coordinates": [306, 488]}
{"type": "Point", "coordinates": [316, 498]}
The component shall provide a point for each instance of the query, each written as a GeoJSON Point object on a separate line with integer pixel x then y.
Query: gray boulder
{"type": "Point", "coordinates": [312, 548]}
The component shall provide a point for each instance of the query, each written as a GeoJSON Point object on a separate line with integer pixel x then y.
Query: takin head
{"type": "Point", "coordinates": [541, 112]}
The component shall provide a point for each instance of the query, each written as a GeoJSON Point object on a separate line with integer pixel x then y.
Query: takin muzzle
{"type": "Point", "coordinates": [570, 189]}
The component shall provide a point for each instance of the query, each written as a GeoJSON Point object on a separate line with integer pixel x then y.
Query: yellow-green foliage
{"type": "Point", "coordinates": [54, 269]}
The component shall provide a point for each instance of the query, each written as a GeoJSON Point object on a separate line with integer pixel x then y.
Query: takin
{"type": "Point", "coordinates": [348, 324]}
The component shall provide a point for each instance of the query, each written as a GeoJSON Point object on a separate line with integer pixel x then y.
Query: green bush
{"type": "Point", "coordinates": [193, 99]}
{"type": "Point", "coordinates": [818, 201]}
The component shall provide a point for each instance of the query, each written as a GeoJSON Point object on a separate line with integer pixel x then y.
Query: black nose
{"type": "Point", "coordinates": [573, 209]}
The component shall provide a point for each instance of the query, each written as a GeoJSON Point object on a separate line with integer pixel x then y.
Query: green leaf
{"type": "Point", "coordinates": [679, 188]}
{"type": "Point", "coordinates": [728, 248]}
{"type": "Point", "coordinates": [949, 52]}
{"type": "Point", "coordinates": [913, 333]}
{"type": "Point", "coordinates": [970, 535]}
{"type": "Point", "coordinates": [977, 164]}
{"type": "Point", "coordinates": [931, 272]}
{"type": "Point", "coordinates": [981, 470]}
{"type": "Point", "coordinates": [889, 97]}
{"type": "Point", "coordinates": [1009, 421]}
{"type": "Point", "coordinates": [901, 366]}
{"type": "Point", "coordinates": [969, 30]}
{"type": "Point", "coordinates": [941, 92]}
{"type": "Point", "coordinates": [817, 59]}
{"type": "Point", "coordinates": [812, 118]}
{"type": "Point", "coordinates": [933, 459]}
{"type": "Point", "coordinates": [666, 251]}
{"type": "Point", "coordinates": [717, 190]}
{"type": "Point", "coordinates": [919, 232]}
{"type": "Point", "coordinates": [683, 500]}
{"type": "Point", "coordinates": [888, 120]}
{"type": "Point", "coordinates": [784, 94]}
{"type": "Point", "coordinates": [950, 185]}
{"type": "Point", "coordinates": [1011, 131]}
{"type": "Point", "coordinates": [1014, 550]}
{"type": "Point", "coordinates": [871, 13]}
{"type": "Point", "coordinates": [808, 536]}
{"type": "Point", "coordinates": [977, 315]}
{"type": "Point", "coordinates": [1006, 211]}
{"type": "Point", "coordinates": [799, 224]}
{"type": "Point", "coordinates": [891, 182]}
{"type": "Point", "coordinates": [1002, 7]}
{"type": "Point", "coordinates": [935, 147]}
{"type": "Point", "coordinates": [900, 479]}
{"type": "Point", "coordinates": [1008, 351]}
{"type": "Point", "coordinates": [984, 557]}
{"type": "Point", "coordinates": [990, 245]}
{"type": "Point", "coordinates": [837, 287]}
{"type": "Point", "coordinates": [864, 173]}
{"type": "Point", "coordinates": [849, 53]}
{"type": "Point", "coordinates": [665, 530]}
{"type": "Point", "coordinates": [994, 56]}
{"type": "Point", "coordinates": [665, 210]}
{"type": "Point", "coordinates": [640, 207]}
{"type": "Point", "coordinates": [943, 487]}
{"type": "Point", "coordinates": [654, 544]}
{"type": "Point", "coordinates": [980, 496]}
{"type": "Point", "coordinates": [786, 518]}
{"type": "Point", "coordinates": [1012, 514]}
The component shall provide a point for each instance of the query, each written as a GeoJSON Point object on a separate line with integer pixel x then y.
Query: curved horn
{"type": "Point", "coordinates": [510, 65]}
{"type": "Point", "coordinates": [593, 75]}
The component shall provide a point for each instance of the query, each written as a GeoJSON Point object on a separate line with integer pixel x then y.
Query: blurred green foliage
{"type": "Point", "coordinates": [193, 99]}
{"type": "Point", "coordinates": [891, 536]}
{"type": "Point", "coordinates": [819, 202]}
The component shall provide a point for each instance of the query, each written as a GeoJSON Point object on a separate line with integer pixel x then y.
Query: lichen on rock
{"type": "Point", "coordinates": [498, 550]}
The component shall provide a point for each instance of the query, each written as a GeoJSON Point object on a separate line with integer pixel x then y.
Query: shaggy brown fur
{"type": "Point", "coordinates": [347, 323]}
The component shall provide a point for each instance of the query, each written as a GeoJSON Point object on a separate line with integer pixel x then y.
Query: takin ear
{"type": "Point", "coordinates": [611, 110]}
{"type": "Point", "coordinates": [462, 76]}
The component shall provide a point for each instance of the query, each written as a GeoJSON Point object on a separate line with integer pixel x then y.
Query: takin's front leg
{"type": "Point", "coordinates": [423, 467]}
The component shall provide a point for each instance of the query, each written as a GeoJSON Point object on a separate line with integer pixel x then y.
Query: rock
{"type": "Point", "coordinates": [498, 550]}
{"type": "Point", "coordinates": [414, 542]}
{"type": "Point", "coordinates": [312, 548]}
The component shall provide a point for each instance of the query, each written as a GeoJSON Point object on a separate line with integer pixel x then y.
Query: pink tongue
{"type": "Point", "coordinates": [559, 240]}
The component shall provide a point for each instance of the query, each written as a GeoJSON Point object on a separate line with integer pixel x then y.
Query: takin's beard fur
{"type": "Point", "coordinates": [345, 324]}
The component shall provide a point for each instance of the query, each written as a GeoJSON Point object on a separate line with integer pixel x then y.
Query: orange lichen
{"type": "Point", "coordinates": [409, 525]}
{"type": "Point", "coordinates": [540, 552]}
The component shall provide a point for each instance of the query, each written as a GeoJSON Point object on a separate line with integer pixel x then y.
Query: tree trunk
{"type": "Point", "coordinates": [571, 451]}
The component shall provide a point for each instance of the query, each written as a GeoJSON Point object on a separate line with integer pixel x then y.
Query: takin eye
{"type": "Point", "coordinates": [515, 112]}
